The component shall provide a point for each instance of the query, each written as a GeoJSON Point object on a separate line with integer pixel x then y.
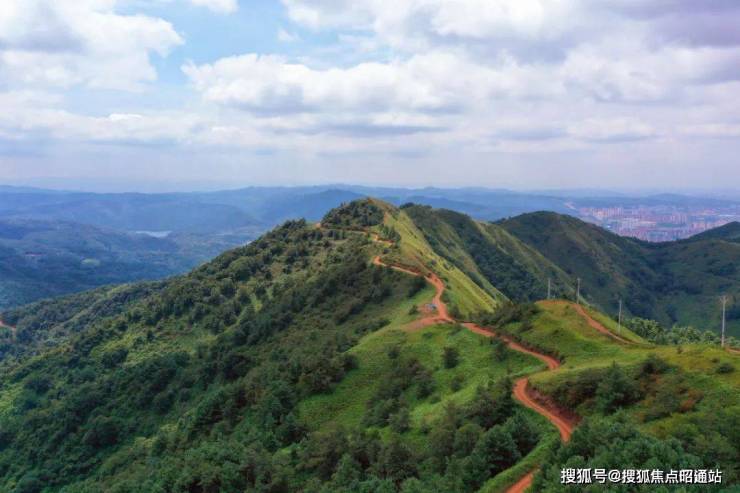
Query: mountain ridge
{"type": "Point", "coordinates": [295, 363]}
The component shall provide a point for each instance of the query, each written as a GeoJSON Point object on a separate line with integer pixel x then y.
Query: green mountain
{"type": "Point", "coordinates": [673, 282]}
{"type": "Point", "coordinates": [332, 358]}
{"type": "Point", "coordinates": [41, 259]}
{"type": "Point", "coordinates": [728, 232]}
{"type": "Point", "coordinates": [488, 254]}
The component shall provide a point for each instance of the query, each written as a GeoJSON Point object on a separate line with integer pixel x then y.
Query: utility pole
{"type": "Point", "coordinates": [578, 292]}
{"type": "Point", "coordinates": [724, 311]}
{"type": "Point", "coordinates": [619, 320]}
{"type": "Point", "coordinates": [548, 288]}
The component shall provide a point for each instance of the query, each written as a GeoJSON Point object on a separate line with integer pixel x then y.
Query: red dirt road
{"type": "Point", "coordinates": [521, 389]}
{"type": "Point", "coordinates": [600, 327]}
{"type": "Point", "coordinates": [443, 314]}
{"type": "Point", "coordinates": [523, 394]}
{"type": "Point", "coordinates": [522, 485]}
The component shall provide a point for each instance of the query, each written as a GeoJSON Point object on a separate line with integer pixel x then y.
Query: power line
{"type": "Point", "coordinates": [724, 312]}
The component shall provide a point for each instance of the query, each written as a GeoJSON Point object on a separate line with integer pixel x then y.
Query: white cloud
{"type": "Point", "coordinates": [48, 43]}
{"type": "Point", "coordinates": [433, 83]}
{"type": "Point", "coordinates": [611, 130]}
{"type": "Point", "coordinates": [271, 84]}
{"type": "Point", "coordinates": [374, 77]}
{"type": "Point", "coordinates": [712, 130]}
{"type": "Point", "coordinates": [30, 115]}
{"type": "Point", "coordinates": [285, 37]}
{"type": "Point", "coordinates": [219, 6]}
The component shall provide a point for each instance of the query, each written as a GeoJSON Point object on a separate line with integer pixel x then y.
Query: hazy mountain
{"type": "Point", "coordinates": [198, 226]}
{"type": "Point", "coordinates": [40, 259]}
{"type": "Point", "coordinates": [728, 232]}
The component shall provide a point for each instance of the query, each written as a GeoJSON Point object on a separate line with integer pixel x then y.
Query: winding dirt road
{"type": "Point", "coordinates": [524, 483]}
{"type": "Point", "coordinates": [521, 390]}
{"type": "Point", "coordinates": [443, 314]}
{"type": "Point", "coordinates": [524, 395]}
{"type": "Point", "coordinates": [599, 326]}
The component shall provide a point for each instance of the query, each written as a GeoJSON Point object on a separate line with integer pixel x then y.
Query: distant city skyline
{"type": "Point", "coordinates": [523, 95]}
{"type": "Point", "coordinates": [659, 223]}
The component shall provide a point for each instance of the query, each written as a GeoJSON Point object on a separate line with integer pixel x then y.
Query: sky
{"type": "Point", "coordinates": [523, 94]}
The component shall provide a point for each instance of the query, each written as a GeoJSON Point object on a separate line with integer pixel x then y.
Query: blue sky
{"type": "Point", "coordinates": [192, 94]}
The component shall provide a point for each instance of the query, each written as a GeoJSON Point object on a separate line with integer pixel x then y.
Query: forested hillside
{"type": "Point", "coordinates": [674, 282]}
{"type": "Point", "coordinates": [41, 259]}
{"type": "Point", "coordinates": [333, 358]}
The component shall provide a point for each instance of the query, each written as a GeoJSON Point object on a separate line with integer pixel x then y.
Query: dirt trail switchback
{"type": "Point", "coordinates": [521, 391]}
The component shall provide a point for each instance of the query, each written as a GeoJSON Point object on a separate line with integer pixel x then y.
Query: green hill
{"type": "Point", "coordinates": [312, 360]}
{"type": "Point", "coordinates": [728, 232]}
{"type": "Point", "coordinates": [674, 282]}
{"type": "Point", "coordinates": [41, 259]}
{"type": "Point", "coordinates": [488, 254]}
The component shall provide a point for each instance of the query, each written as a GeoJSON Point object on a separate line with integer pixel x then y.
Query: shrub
{"type": "Point", "coordinates": [102, 432]}
{"type": "Point", "coordinates": [500, 351]}
{"type": "Point", "coordinates": [450, 357]}
{"type": "Point", "coordinates": [615, 390]}
{"type": "Point", "coordinates": [725, 368]}
{"type": "Point", "coordinates": [653, 365]}
{"type": "Point", "coordinates": [457, 382]}
{"type": "Point", "coordinates": [401, 420]}
{"type": "Point", "coordinates": [491, 404]}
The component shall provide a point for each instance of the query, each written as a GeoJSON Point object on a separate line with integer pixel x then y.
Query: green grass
{"type": "Point", "coordinates": [694, 373]}
{"type": "Point", "coordinates": [462, 293]}
{"type": "Point", "coordinates": [346, 405]}
{"type": "Point", "coordinates": [614, 327]}
{"type": "Point", "coordinates": [559, 328]}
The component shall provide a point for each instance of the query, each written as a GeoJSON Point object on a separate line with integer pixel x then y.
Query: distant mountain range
{"type": "Point", "coordinates": [55, 242]}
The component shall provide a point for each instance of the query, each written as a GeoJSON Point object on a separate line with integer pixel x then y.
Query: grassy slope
{"type": "Point", "coordinates": [489, 255]}
{"type": "Point", "coordinates": [346, 405]}
{"type": "Point", "coordinates": [462, 293]}
{"type": "Point", "coordinates": [560, 328]}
